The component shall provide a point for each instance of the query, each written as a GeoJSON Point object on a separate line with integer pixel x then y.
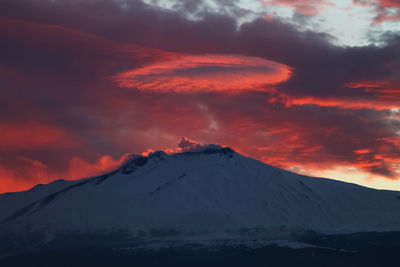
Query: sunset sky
{"type": "Point", "coordinates": [312, 86]}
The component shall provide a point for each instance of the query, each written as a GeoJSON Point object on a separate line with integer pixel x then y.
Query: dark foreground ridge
{"type": "Point", "coordinates": [361, 249]}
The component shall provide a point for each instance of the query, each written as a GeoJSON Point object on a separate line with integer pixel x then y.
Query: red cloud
{"type": "Point", "coordinates": [341, 103]}
{"type": "Point", "coordinates": [207, 73]}
{"type": "Point", "coordinates": [383, 3]}
{"type": "Point", "coordinates": [34, 135]}
{"type": "Point", "coordinates": [379, 95]}
{"type": "Point", "coordinates": [386, 10]}
{"type": "Point", "coordinates": [389, 3]}
{"type": "Point", "coordinates": [305, 7]}
{"type": "Point", "coordinates": [388, 90]}
{"type": "Point", "coordinates": [79, 168]}
{"type": "Point", "coordinates": [324, 148]}
{"type": "Point", "coordinates": [62, 46]}
{"type": "Point", "coordinates": [362, 151]}
{"type": "Point", "coordinates": [32, 172]}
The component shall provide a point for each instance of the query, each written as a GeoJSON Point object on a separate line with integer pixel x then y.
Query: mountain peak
{"type": "Point", "coordinates": [130, 162]}
{"type": "Point", "coordinates": [200, 192]}
{"type": "Point", "coordinates": [188, 145]}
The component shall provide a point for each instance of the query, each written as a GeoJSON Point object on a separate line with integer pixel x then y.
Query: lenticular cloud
{"type": "Point", "coordinates": [206, 73]}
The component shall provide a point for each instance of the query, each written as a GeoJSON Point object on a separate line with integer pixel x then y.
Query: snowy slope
{"type": "Point", "coordinates": [9, 202]}
{"type": "Point", "coordinates": [216, 192]}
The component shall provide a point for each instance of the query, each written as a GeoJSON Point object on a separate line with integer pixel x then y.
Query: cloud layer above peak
{"type": "Point", "coordinates": [84, 82]}
{"type": "Point", "coordinates": [206, 73]}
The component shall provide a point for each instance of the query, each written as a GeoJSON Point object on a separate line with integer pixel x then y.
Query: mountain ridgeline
{"type": "Point", "coordinates": [211, 195]}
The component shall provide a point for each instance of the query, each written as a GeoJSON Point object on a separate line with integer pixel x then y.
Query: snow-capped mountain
{"type": "Point", "coordinates": [212, 192]}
